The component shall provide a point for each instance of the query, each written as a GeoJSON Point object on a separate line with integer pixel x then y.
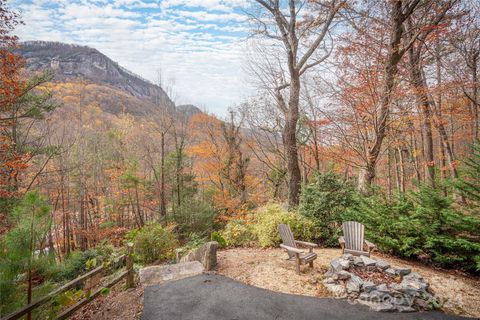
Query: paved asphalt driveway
{"type": "Point", "coordinates": [214, 297]}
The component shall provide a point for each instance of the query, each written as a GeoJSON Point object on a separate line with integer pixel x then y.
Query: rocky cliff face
{"type": "Point", "coordinates": [73, 62]}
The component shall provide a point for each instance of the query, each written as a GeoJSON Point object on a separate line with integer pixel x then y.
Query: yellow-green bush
{"type": "Point", "coordinates": [269, 217]}
{"type": "Point", "coordinates": [153, 242]}
{"type": "Point", "coordinates": [238, 233]}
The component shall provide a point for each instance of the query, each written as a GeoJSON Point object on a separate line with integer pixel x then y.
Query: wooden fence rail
{"type": "Point", "coordinates": [65, 314]}
{"type": "Point", "coordinates": [128, 274]}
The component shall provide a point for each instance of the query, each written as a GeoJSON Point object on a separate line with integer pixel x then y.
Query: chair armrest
{"type": "Point", "coordinates": [291, 249]}
{"type": "Point", "coordinates": [341, 240]}
{"type": "Point", "coordinates": [306, 244]}
{"type": "Point", "coordinates": [369, 244]}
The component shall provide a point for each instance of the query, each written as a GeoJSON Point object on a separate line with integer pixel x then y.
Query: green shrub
{"type": "Point", "coordinates": [154, 242]}
{"type": "Point", "coordinates": [238, 233]}
{"type": "Point", "coordinates": [422, 225]}
{"type": "Point", "coordinates": [215, 236]}
{"type": "Point", "coordinates": [269, 217]}
{"type": "Point", "coordinates": [74, 265]}
{"type": "Point", "coordinates": [325, 201]}
{"type": "Point", "coordinates": [194, 242]}
{"type": "Point", "coordinates": [195, 217]}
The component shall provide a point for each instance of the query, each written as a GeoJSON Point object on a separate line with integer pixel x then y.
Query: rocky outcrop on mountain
{"type": "Point", "coordinates": [72, 63]}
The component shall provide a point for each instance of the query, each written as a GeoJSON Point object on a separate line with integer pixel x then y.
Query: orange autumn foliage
{"type": "Point", "coordinates": [11, 89]}
{"type": "Point", "coordinates": [214, 162]}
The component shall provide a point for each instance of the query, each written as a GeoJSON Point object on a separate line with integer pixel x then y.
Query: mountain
{"type": "Point", "coordinates": [113, 88]}
{"type": "Point", "coordinates": [188, 109]}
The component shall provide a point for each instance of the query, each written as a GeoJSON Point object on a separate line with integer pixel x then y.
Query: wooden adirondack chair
{"type": "Point", "coordinates": [294, 253]}
{"type": "Point", "coordinates": [353, 240]}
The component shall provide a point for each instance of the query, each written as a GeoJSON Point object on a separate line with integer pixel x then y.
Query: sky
{"type": "Point", "coordinates": [198, 46]}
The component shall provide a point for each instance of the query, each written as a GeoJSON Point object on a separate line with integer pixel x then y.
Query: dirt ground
{"type": "Point", "coordinates": [119, 304]}
{"type": "Point", "coordinates": [268, 269]}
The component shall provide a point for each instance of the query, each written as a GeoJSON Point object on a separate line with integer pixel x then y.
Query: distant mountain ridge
{"type": "Point", "coordinates": [188, 109]}
{"type": "Point", "coordinates": [69, 63]}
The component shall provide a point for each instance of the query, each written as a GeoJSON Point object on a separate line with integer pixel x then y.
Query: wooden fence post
{"type": "Point", "coordinates": [130, 272]}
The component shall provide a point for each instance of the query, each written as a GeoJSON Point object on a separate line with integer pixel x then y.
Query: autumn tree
{"type": "Point", "coordinates": [301, 29]}
{"type": "Point", "coordinates": [393, 17]}
{"type": "Point", "coordinates": [10, 90]}
{"type": "Point", "coordinates": [422, 30]}
{"type": "Point", "coordinates": [465, 38]}
{"type": "Point", "coordinates": [264, 122]}
{"type": "Point", "coordinates": [22, 104]}
{"type": "Point", "coordinates": [221, 164]}
{"type": "Point", "coordinates": [236, 163]}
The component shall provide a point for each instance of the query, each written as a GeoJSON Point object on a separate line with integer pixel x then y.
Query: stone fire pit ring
{"type": "Point", "coordinates": [378, 285]}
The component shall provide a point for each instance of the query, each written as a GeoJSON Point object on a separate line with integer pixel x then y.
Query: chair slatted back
{"type": "Point", "coordinates": [353, 233]}
{"type": "Point", "coordinates": [287, 237]}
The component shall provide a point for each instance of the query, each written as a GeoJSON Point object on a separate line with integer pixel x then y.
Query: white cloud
{"type": "Point", "coordinates": [217, 5]}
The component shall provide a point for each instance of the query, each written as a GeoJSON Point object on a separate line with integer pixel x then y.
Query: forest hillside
{"type": "Point", "coordinates": [363, 111]}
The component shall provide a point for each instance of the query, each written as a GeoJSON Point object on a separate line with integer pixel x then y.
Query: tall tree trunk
{"type": "Point", "coordinates": [391, 68]}
{"type": "Point", "coordinates": [389, 173]}
{"type": "Point", "coordinates": [178, 171]}
{"type": "Point", "coordinates": [474, 101]}
{"type": "Point", "coordinates": [420, 91]}
{"type": "Point", "coordinates": [447, 147]}
{"type": "Point", "coordinates": [415, 157]}
{"type": "Point", "coordinates": [139, 211]}
{"type": "Point", "coordinates": [163, 206]}
{"type": "Point", "coordinates": [83, 218]}
{"type": "Point", "coordinates": [438, 107]}
{"type": "Point", "coordinates": [402, 170]}
{"type": "Point", "coordinates": [290, 141]}
{"type": "Point", "coordinates": [30, 261]}
{"type": "Point", "coordinates": [397, 173]}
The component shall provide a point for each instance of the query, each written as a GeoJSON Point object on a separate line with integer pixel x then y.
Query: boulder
{"type": "Point", "coordinates": [409, 295]}
{"type": "Point", "coordinates": [378, 296]}
{"type": "Point", "coordinates": [328, 280]}
{"type": "Point", "coordinates": [405, 309]}
{"type": "Point", "coordinates": [347, 256]}
{"type": "Point", "coordinates": [378, 306]}
{"type": "Point", "coordinates": [421, 304]}
{"type": "Point", "coordinates": [159, 274]}
{"type": "Point", "coordinates": [383, 307]}
{"type": "Point", "coordinates": [368, 286]}
{"type": "Point", "coordinates": [343, 275]}
{"type": "Point", "coordinates": [415, 280]}
{"type": "Point", "coordinates": [413, 284]}
{"type": "Point", "coordinates": [382, 265]}
{"type": "Point", "coordinates": [364, 296]}
{"type": "Point", "coordinates": [403, 271]}
{"type": "Point", "coordinates": [358, 262]}
{"type": "Point", "coordinates": [335, 265]}
{"type": "Point", "coordinates": [339, 264]}
{"type": "Point", "coordinates": [414, 275]}
{"type": "Point", "coordinates": [337, 290]}
{"type": "Point", "coordinates": [367, 261]}
{"type": "Point", "coordinates": [391, 272]}
{"type": "Point", "coordinates": [382, 288]}
{"type": "Point", "coordinates": [354, 284]}
{"type": "Point", "coordinates": [205, 254]}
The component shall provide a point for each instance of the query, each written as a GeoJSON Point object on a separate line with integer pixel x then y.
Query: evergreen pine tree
{"type": "Point", "coordinates": [20, 255]}
{"type": "Point", "coordinates": [469, 184]}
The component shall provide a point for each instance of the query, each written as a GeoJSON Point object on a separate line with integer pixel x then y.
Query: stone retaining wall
{"type": "Point", "coordinates": [206, 255]}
